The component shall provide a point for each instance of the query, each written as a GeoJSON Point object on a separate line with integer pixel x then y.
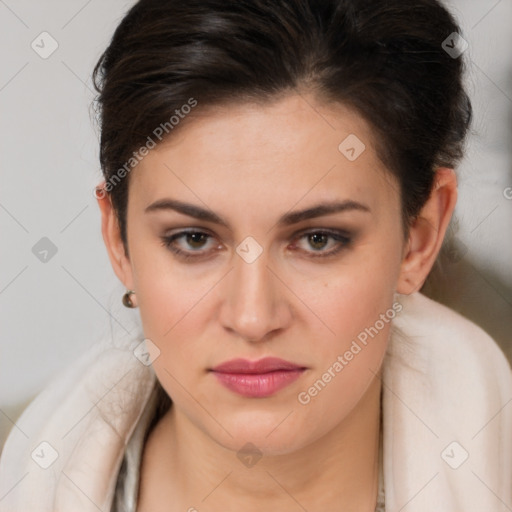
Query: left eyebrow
{"type": "Point", "coordinates": [287, 219]}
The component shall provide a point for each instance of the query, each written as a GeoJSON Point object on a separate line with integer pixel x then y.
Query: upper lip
{"type": "Point", "coordinates": [265, 365]}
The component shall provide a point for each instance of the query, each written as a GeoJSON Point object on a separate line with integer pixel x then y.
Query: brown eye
{"type": "Point", "coordinates": [193, 242]}
{"type": "Point", "coordinates": [196, 240]}
{"type": "Point", "coordinates": [319, 240]}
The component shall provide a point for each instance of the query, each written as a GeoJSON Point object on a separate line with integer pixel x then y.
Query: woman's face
{"type": "Point", "coordinates": [266, 276]}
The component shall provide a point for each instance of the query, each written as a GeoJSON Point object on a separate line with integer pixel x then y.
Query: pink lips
{"type": "Point", "coordinates": [257, 379]}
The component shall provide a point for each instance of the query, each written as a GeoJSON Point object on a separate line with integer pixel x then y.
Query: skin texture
{"type": "Point", "coordinates": [250, 164]}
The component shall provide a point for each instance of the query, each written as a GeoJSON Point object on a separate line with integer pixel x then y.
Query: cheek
{"type": "Point", "coordinates": [356, 304]}
{"type": "Point", "coordinates": [171, 303]}
{"type": "Point", "coordinates": [351, 296]}
{"type": "Point", "coordinates": [171, 310]}
{"type": "Point", "coordinates": [166, 291]}
{"type": "Point", "coordinates": [360, 316]}
{"type": "Point", "coordinates": [346, 363]}
{"type": "Point", "coordinates": [172, 314]}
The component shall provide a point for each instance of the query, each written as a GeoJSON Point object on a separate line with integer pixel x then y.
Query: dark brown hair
{"type": "Point", "coordinates": [385, 59]}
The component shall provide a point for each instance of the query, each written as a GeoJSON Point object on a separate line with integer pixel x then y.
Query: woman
{"type": "Point", "coordinates": [278, 183]}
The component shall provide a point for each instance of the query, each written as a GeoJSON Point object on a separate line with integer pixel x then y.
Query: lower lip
{"type": "Point", "coordinates": [258, 385]}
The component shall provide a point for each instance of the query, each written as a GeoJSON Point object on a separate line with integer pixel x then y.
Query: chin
{"type": "Point", "coordinates": [270, 436]}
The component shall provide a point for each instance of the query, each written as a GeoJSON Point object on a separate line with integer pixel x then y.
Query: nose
{"type": "Point", "coordinates": [255, 305]}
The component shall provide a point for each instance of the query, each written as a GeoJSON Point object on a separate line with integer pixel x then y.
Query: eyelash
{"type": "Point", "coordinates": [343, 240]}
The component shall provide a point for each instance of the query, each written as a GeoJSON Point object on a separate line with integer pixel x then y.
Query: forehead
{"type": "Point", "coordinates": [290, 149]}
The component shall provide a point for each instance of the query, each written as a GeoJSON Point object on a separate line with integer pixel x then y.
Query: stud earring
{"type": "Point", "coordinates": [127, 299]}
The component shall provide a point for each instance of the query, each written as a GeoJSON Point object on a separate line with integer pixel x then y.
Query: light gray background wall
{"type": "Point", "coordinates": [52, 311]}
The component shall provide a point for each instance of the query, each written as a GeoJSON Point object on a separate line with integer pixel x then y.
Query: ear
{"type": "Point", "coordinates": [427, 233]}
{"type": "Point", "coordinates": [112, 237]}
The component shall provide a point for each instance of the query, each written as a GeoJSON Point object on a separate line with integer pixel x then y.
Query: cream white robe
{"type": "Point", "coordinates": [447, 422]}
